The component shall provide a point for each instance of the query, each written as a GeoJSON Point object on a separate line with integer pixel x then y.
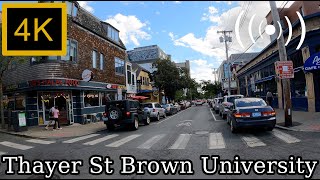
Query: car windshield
{"type": "Point", "coordinates": [231, 99]}
{"type": "Point", "coordinates": [118, 104]}
{"type": "Point", "coordinates": [148, 105]}
{"type": "Point", "coordinates": [250, 102]}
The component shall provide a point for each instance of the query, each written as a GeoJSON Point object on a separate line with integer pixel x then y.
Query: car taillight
{"type": "Point", "coordinates": [239, 115]}
{"type": "Point", "coordinates": [105, 114]}
{"type": "Point", "coordinates": [128, 114]}
{"type": "Point", "coordinates": [154, 110]}
{"type": "Point", "coordinates": [269, 113]}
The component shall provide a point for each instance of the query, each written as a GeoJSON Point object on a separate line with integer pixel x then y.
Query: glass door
{"type": "Point", "coordinates": [45, 103]}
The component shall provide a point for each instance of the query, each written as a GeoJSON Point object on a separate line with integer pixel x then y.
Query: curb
{"type": "Point", "coordinates": [293, 129]}
{"type": "Point", "coordinates": [22, 135]}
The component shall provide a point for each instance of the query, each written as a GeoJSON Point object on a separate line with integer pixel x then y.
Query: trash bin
{"type": "Point", "coordinates": [18, 120]}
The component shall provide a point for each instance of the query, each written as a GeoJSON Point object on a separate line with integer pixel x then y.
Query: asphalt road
{"type": "Point", "coordinates": [184, 136]}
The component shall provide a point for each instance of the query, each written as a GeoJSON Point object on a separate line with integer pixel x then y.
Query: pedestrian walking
{"type": "Point", "coordinates": [56, 118]}
{"type": "Point", "coordinates": [51, 118]}
{"type": "Point", "coordinates": [269, 98]}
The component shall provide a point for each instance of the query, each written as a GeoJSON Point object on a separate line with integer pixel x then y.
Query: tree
{"type": "Point", "coordinates": [169, 78]}
{"type": "Point", "coordinates": [210, 89]}
{"type": "Point", "coordinates": [5, 64]}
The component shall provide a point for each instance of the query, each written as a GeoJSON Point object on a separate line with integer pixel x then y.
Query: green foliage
{"type": "Point", "coordinates": [169, 78]}
{"type": "Point", "coordinates": [211, 89]}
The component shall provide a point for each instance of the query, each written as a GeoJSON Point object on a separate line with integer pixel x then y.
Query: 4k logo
{"type": "Point", "coordinates": [34, 29]}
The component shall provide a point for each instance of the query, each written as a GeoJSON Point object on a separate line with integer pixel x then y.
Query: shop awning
{"type": "Point", "coordinates": [265, 79]}
{"type": "Point", "coordinates": [145, 91]}
{"type": "Point", "coordinates": [139, 97]}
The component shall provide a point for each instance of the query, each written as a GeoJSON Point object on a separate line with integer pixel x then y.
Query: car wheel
{"type": "Point", "coordinates": [217, 112]}
{"type": "Point", "coordinates": [228, 120]}
{"type": "Point", "coordinates": [224, 116]}
{"type": "Point", "coordinates": [135, 124]}
{"type": "Point", "coordinates": [232, 128]}
{"type": "Point", "coordinates": [110, 127]}
{"type": "Point", "coordinates": [147, 120]}
{"type": "Point", "coordinates": [158, 117]}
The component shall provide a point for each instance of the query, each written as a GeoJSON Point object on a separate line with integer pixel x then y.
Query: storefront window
{"type": "Point", "coordinates": [298, 85]}
{"type": "Point", "coordinates": [20, 103]}
{"type": "Point", "coordinates": [107, 97]}
{"type": "Point", "coordinates": [91, 98]}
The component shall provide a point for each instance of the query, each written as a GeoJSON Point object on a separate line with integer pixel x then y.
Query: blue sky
{"type": "Point", "coordinates": [187, 30]}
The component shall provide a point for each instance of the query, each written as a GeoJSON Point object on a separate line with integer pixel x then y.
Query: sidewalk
{"type": "Point", "coordinates": [66, 131]}
{"type": "Point", "coordinates": [302, 121]}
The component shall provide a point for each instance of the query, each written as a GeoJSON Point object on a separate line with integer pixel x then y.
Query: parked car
{"type": "Point", "coordinates": [177, 106]}
{"type": "Point", "coordinates": [216, 104]}
{"type": "Point", "coordinates": [183, 105]}
{"type": "Point", "coordinates": [251, 113]}
{"type": "Point", "coordinates": [155, 110]}
{"type": "Point", "coordinates": [199, 102]}
{"type": "Point", "coordinates": [188, 104]}
{"type": "Point", "coordinates": [125, 112]}
{"type": "Point", "coordinates": [170, 109]}
{"type": "Point", "coordinates": [226, 104]}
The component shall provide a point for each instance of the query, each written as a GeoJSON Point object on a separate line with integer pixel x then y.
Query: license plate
{"type": "Point", "coordinates": [256, 114]}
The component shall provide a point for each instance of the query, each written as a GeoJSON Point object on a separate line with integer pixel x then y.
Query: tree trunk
{"type": "Point", "coordinates": [1, 107]}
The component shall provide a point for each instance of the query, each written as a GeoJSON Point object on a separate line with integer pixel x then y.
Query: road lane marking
{"type": "Point", "coordinates": [148, 144]}
{"type": "Point", "coordinates": [80, 138]}
{"type": "Point", "coordinates": [252, 141]}
{"type": "Point", "coordinates": [285, 137]}
{"type": "Point", "coordinates": [181, 142]}
{"type": "Point", "coordinates": [123, 141]}
{"type": "Point", "coordinates": [214, 116]}
{"type": "Point", "coordinates": [101, 139]}
{"type": "Point", "coordinates": [169, 117]}
{"type": "Point", "coordinates": [216, 141]}
{"type": "Point", "coordinates": [15, 145]}
{"type": "Point", "coordinates": [39, 141]}
{"type": "Point", "coordinates": [2, 153]}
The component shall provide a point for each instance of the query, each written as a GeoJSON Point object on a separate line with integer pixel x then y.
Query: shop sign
{"type": "Point", "coordinates": [115, 86]}
{"type": "Point", "coordinates": [22, 119]}
{"type": "Point", "coordinates": [155, 93]}
{"type": "Point", "coordinates": [312, 63]}
{"type": "Point", "coordinates": [284, 69]}
{"type": "Point", "coordinates": [54, 82]}
{"type": "Point", "coordinates": [87, 75]}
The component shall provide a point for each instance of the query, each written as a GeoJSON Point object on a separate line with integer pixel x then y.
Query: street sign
{"type": "Point", "coordinates": [284, 69]}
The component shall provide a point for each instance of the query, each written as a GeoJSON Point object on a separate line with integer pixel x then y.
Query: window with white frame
{"type": "Point", "coordinates": [94, 59]}
{"type": "Point", "coordinates": [133, 82]}
{"type": "Point", "coordinates": [113, 33]}
{"type": "Point", "coordinates": [101, 61]}
{"type": "Point", "coordinates": [119, 66]}
{"type": "Point", "coordinates": [72, 52]}
{"type": "Point", "coordinates": [129, 74]}
{"type": "Point", "coordinates": [91, 98]}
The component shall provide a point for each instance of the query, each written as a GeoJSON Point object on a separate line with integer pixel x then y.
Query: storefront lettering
{"type": "Point", "coordinates": [312, 63]}
{"type": "Point", "coordinates": [316, 61]}
{"type": "Point", "coordinates": [54, 82]}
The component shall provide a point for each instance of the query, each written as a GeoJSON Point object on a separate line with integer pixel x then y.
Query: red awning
{"type": "Point", "coordinates": [139, 97]}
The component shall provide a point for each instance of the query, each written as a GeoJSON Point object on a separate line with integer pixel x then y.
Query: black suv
{"type": "Point", "coordinates": [125, 112]}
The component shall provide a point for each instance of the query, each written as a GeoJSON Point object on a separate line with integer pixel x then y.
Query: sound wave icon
{"type": "Point", "coordinates": [270, 29]}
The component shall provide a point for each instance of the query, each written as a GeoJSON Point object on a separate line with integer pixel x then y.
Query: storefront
{"type": "Point", "coordinates": [74, 99]}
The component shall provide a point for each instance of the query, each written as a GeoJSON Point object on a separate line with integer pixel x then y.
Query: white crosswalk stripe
{"type": "Point", "coordinates": [123, 141]}
{"type": "Point", "coordinates": [80, 138]}
{"type": "Point", "coordinates": [101, 139]}
{"type": "Point", "coordinates": [149, 143]}
{"type": "Point", "coordinates": [2, 153]}
{"type": "Point", "coordinates": [181, 142]}
{"type": "Point", "coordinates": [285, 137]}
{"type": "Point", "coordinates": [216, 141]}
{"type": "Point", "coordinates": [39, 141]}
{"type": "Point", "coordinates": [15, 145]}
{"type": "Point", "coordinates": [252, 141]}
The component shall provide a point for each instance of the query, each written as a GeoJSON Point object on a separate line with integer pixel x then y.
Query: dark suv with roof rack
{"type": "Point", "coordinates": [125, 113]}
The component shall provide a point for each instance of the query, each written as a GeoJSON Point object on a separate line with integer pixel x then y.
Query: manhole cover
{"type": "Point", "coordinates": [43, 177]}
{"type": "Point", "coordinates": [202, 132]}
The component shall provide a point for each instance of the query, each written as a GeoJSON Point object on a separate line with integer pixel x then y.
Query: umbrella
{"type": "Point", "coordinates": [139, 97]}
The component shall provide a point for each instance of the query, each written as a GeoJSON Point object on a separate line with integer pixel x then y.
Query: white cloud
{"type": "Point", "coordinates": [226, 21]}
{"type": "Point", "coordinates": [201, 70]}
{"type": "Point", "coordinates": [130, 27]}
{"type": "Point", "coordinates": [177, 2]}
{"type": "Point", "coordinates": [157, 13]}
{"type": "Point", "coordinates": [171, 35]}
{"type": "Point", "coordinates": [86, 6]}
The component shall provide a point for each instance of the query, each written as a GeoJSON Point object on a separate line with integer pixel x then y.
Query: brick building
{"type": "Point", "coordinates": [258, 75]}
{"type": "Point", "coordinates": [80, 83]}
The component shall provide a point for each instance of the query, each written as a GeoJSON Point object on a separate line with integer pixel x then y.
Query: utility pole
{"type": "Point", "coordinates": [283, 57]}
{"type": "Point", "coordinates": [226, 39]}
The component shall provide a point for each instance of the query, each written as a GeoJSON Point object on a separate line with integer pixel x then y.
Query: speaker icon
{"type": "Point", "coordinates": [270, 30]}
